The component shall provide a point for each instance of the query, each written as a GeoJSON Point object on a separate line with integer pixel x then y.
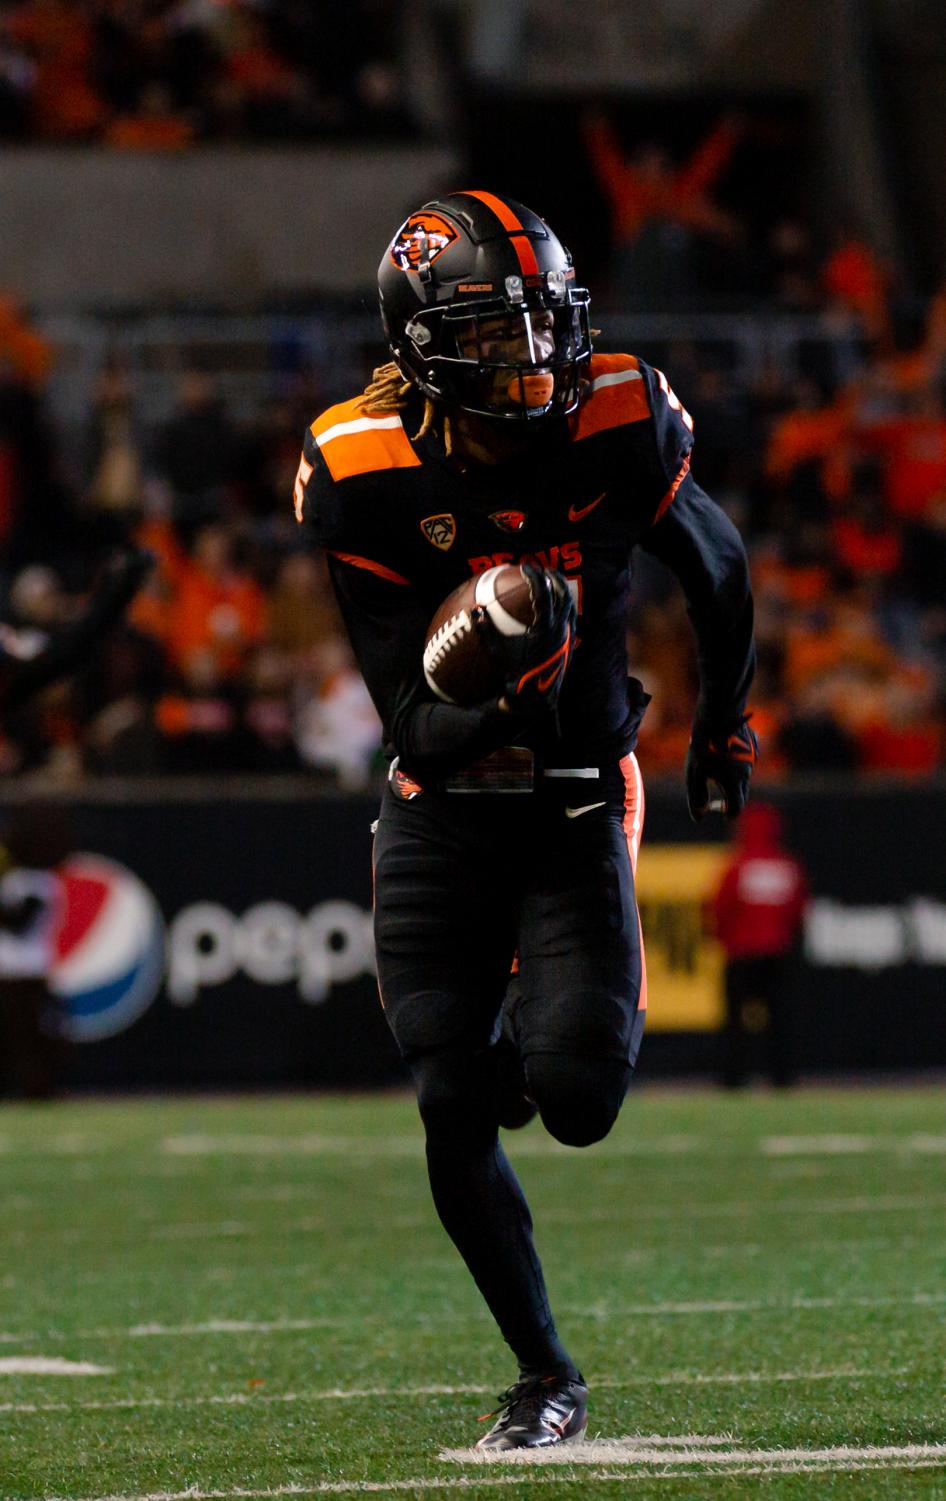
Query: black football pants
{"type": "Point", "coordinates": [466, 885]}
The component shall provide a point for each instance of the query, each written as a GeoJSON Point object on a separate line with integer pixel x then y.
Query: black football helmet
{"type": "Point", "coordinates": [481, 311]}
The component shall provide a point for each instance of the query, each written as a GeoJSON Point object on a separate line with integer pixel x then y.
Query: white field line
{"type": "Point", "coordinates": [605, 1312]}
{"type": "Point", "coordinates": [182, 1331]}
{"type": "Point", "coordinates": [201, 1144]}
{"type": "Point", "coordinates": [663, 1454]}
{"type": "Point", "coordinates": [665, 1466]}
{"type": "Point", "coordinates": [196, 1230]}
{"type": "Point", "coordinates": [238, 1145]}
{"type": "Point", "coordinates": [416, 1487]}
{"type": "Point", "coordinates": [838, 1145]}
{"type": "Point", "coordinates": [733, 1209]}
{"type": "Point", "coordinates": [596, 1312]}
{"type": "Point", "coordinates": [367, 1393]}
{"type": "Point", "coordinates": [336, 1488]}
{"type": "Point", "coordinates": [717, 1252]}
{"type": "Point", "coordinates": [674, 1144]}
{"type": "Point", "coordinates": [859, 1204]}
{"type": "Point", "coordinates": [44, 1365]}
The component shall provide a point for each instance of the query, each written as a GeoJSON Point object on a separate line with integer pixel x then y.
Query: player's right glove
{"type": "Point", "coordinates": [536, 662]}
{"type": "Point", "coordinates": [723, 754]}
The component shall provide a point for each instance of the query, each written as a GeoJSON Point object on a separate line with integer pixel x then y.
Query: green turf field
{"type": "Point", "coordinates": [755, 1286]}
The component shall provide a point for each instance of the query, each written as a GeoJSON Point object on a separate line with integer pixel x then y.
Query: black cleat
{"type": "Point", "coordinates": [537, 1412]}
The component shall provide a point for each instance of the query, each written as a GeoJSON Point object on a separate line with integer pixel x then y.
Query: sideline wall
{"type": "Point", "coordinates": [215, 227]}
{"type": "Point", "coordinates": [226, 942]}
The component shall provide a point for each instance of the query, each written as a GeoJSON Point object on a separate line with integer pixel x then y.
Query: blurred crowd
{"type": "Point", "coordinates": [839, 487]}
{"type": "Point", "coordinates": [163, 74]}
{"type": "Point", "coordinates": [232, 658]}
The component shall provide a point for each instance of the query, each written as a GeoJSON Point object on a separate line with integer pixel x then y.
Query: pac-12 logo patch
{"type": "Point", "coordinates": [420, 240]}
{"type": "Point", "coordinates": [109, 950]}
{"type": "Point", "coordinates": [509, 521]}
{"type": "Point", "coordinates": [440, 530]}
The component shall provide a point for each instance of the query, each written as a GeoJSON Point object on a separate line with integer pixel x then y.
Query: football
{"type": "Point", "coordinates": [459, 665]}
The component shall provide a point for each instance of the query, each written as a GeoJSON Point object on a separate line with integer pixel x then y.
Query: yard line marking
{"type": "Point", "coordinates": [718, 1251]}
{"type": "Point", "coordinates": [340, 1487]}
{"type": "Point", "coordinates": [644, 1452]}
{"type": "Point", "coordinates": [751, 1305]}
{"type": "Point", "coordinates": [685, 1209]}
{"type": "Point", "coordinates": [839, 1144]}
{"type": "Point", "coordinates": [859, 1204]}
{"type": "Point", "coordinates": [227, 1326]}
{"type": "Point", "coordinates": [835, 1467]}
{"type": "Point", "coordinates": [596, 1311]}
{"type": "Point", "coordinates": [923, 1142]}
{"type": "Point", "coordinates": [337, 1488]}
{"type": "Point", "coordinates": [350, 1394]}
{"type": "Point", "coordinates": [44, 1365]}
{"type": "Point", "coordinates": [662, 1466]}
{"type": "Point", "coordinates": [832, 1145]}
{"type": "Point", "coordinates": [183, 1331]}
{"type": "Point", "coordinates": [312, 1144]}
{"type": "Point", "coordinates": [199, 1144]}
{"type": "Point", "coordinates": [193, 1230]}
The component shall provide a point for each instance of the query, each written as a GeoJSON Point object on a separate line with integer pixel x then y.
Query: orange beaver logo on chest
{"type": "Point", "coordinates": [509, 521]}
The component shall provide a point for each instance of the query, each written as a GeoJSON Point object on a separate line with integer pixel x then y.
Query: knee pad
{"type": "Point", "coordinates": [455, 1099]}
{"type": "Point", "coordinates": [578, 1098]}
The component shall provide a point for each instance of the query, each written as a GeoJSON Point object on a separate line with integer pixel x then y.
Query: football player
{"type": "Point", "coordinates": [494, 435]}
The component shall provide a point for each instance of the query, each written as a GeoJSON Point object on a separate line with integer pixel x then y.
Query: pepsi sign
{"type": "Point", "coordinates": [108, 959]}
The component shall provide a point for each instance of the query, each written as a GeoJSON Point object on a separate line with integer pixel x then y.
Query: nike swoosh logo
{"type": "Point", "coordinates": [575, 513]}
{"type": "Point", "coordinates": [577, 812]}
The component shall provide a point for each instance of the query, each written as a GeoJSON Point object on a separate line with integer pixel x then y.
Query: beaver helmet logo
{"type": "Point", "coordinates": [420, 240]}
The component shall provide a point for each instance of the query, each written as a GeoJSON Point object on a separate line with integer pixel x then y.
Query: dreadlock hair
{"type": "Point", "coordinates": [387, 391]}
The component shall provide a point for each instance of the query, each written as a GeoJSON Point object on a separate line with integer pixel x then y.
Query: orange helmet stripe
{"type": "Point", "coordinates": [520, 241]}
{"type": "Point", "coordinates": [523, 248]}
{"type": "Point", "coordinates": [503, 212]}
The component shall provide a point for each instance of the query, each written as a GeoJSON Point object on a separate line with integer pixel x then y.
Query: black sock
{"type": "Point", "coordinates": [565, 1369]}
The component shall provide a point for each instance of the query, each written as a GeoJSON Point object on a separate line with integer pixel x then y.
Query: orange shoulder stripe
{"type": "Point", "coordinates": [352, 442]}
{"type": "Point", "coordinates": [668, 498]}
{"type": "Point", "coordinates": [618, 395]}
{"type": "Point", "coordinates": [369, 564]}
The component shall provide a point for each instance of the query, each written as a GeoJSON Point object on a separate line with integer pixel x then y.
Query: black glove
{"type": "Point", "coordinates": [537, 661]}
{"type": "Point", "coordinates": [724, 755]}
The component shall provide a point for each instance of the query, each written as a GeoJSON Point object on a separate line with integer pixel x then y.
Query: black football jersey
{"type": "Point", "coordinates": [403, 524]}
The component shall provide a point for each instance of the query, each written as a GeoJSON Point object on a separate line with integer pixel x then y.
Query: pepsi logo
{"type": "Point", "coordinates": [109, 948]}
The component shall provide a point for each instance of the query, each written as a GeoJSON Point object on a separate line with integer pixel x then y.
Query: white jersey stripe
{"type": "Point", "coordinates": [616, 378]}
{"type": "Point", "coordinates": [357, 425]}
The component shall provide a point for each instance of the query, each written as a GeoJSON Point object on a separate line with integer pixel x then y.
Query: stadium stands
{"type": "Point", "coordinates": [828, 446]}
